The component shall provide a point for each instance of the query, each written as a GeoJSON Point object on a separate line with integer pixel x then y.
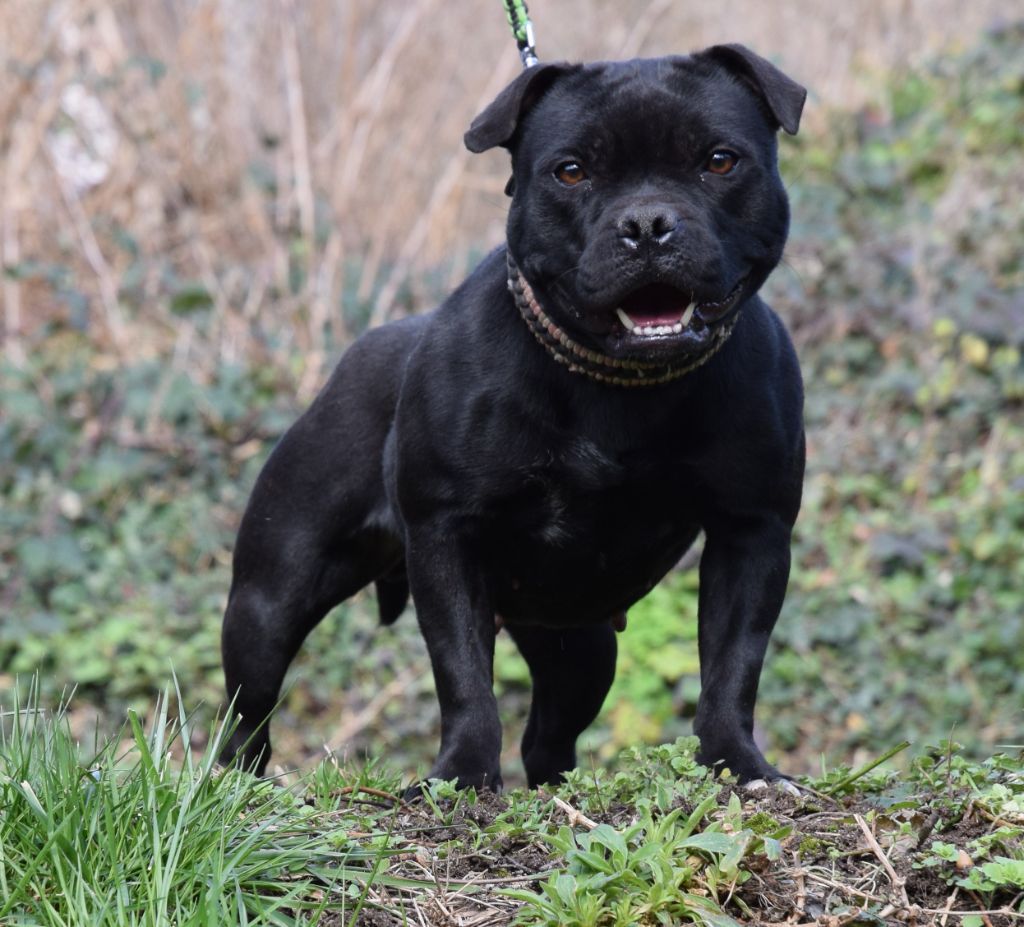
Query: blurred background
{"type": "Point", "coordinates": [203, 201]}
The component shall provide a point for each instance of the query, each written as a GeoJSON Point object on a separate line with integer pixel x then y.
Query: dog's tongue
{"type": "Point", "coordinates": [655, 305]}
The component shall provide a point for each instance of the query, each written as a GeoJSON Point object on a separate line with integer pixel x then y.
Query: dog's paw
{"type": "Point", "coordinates": [785, 786]}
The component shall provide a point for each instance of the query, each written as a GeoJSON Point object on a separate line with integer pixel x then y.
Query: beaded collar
{"type": "Point", "coordinates": [600, 367]}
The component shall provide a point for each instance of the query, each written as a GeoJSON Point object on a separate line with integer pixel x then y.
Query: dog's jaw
{"type": "Point", "coordinates": [654, 321]}
{"type": "Point", "coordinates": [623, 368]}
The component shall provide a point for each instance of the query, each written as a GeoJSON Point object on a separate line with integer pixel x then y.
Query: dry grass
{"type": "Point", "coordinates": [288, 157]}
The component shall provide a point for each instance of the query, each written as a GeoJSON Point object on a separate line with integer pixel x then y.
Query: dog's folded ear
{"type": "Point", "coordinates": [497, 124]}
{"type": "Point", "coordinates": [783, 96]}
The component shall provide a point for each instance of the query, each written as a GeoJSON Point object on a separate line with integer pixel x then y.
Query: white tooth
{"type": "Point", "coordinates": [665, 330]}
{"type": "Point", "coordinates": [649, 330]}
{"type": "Point", "coordinates": [685, 320]}
{"type": "Point", "coordinates": [625, 320]}
{"type": "Point", "coordinates": [678, 327]}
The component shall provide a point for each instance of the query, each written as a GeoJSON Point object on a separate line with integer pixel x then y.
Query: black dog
{"type": "Point", "coordinates": [546, 445]}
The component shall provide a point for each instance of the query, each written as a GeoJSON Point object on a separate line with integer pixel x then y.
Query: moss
{"type": "Point", "coordinates": [813, 846]}
{"type": "Point", "coordinates": [763, 824]}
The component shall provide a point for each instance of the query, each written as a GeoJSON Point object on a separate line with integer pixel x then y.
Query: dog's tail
{"type": "Point", "coordinates": [392, 594]}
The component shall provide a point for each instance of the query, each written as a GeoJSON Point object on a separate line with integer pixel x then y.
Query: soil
{"type": "Point", "coordinates": [830, 872]}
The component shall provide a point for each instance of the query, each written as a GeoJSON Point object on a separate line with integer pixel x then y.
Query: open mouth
{"type": "Point", "coordinates": [658, 311]}
{"type": "Point", "coordinates": [679, 335]}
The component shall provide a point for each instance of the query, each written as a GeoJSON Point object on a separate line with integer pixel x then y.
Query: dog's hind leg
{"type": "Point", "coordinates": [572, 671]}
{"type": "Point", "coordinates": [317, 528]}
{"type": "Point", "coordinates": [270, 612]}
{"type": "Point", "coordinates": [293, 564]}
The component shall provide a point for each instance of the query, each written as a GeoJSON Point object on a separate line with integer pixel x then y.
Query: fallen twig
{"type": "Point", "coordinates": [949, 906]}
{"type": "Point", "coordinates": [575, 817]}
{"type": "Point", "coordinates": [899, 885]}
{"type": "Point", "coordinates": [801, 885]}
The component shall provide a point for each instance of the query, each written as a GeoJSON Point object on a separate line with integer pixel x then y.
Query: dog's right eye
{"type": "Point", "coordinates": [570, 173]}
{"type": "Point", "coordinates": [722, 161]}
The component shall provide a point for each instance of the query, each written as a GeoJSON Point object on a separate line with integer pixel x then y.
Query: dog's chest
{"type": "Point", "coordinates": [587, 534]}
{"type": "Point", "coordinates": [582, 490]}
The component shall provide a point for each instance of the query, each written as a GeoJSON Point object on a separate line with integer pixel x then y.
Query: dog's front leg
{"type": "Point", "coordinates": [457, 620]}
{"type": "Point", "coordinates": [743, 574]}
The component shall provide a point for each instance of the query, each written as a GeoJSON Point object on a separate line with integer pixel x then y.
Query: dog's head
{"type": "Point", "coordinates": [646, 199]}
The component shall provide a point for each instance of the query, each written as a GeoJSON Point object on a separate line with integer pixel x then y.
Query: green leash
{"type": "Point", "coordinates": [522, 30]}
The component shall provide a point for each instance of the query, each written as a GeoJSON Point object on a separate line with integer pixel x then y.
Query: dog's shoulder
{"type": "Point", "coordinates": [372, 368]}
{"type": "Point", "coordinates": [475, 335]}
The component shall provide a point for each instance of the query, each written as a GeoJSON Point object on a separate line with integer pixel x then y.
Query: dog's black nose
{"type": "Point", "coordinates": [648, 225]}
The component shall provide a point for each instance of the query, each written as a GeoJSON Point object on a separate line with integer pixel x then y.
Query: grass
{"type": "Point", "coordinates": [122, 834]}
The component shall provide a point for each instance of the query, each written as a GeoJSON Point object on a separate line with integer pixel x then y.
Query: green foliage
{"type": "Point", "coordinates": [644, 873]}
{"type": "Point", "coordinates": [868, 778]}
{"type": "Point", "coordinates": [658, 675]}
{"type": "Point", "coordinates": [902, 619]}
{"type": "Point", "coordinates": [114, 532]}
{"type": "Point", "coordinates": [995, 785]}
{"type": "Point", "coordinates": [999, 873]}
{"type": "Point", "coordinates": [677, 860]}
{"type": "Point", "coordinates": [992, 864]}
{"type": "Point", "coordinates": [665, 774]}
{"type": "Point", "coordinates": [124, 836]}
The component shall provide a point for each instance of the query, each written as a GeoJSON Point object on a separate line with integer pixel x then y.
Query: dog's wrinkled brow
{"type": "Point", "coordinates": [650, 71]}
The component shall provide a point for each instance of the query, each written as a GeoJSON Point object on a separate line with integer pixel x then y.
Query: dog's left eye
{"type": "Point", "coordinates": [570, 174]}
{"type": "Point", "coordinates": [722, 161]}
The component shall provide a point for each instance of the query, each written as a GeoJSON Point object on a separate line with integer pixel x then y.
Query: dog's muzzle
{"type": "Point", "coordinates": [576, 358]}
